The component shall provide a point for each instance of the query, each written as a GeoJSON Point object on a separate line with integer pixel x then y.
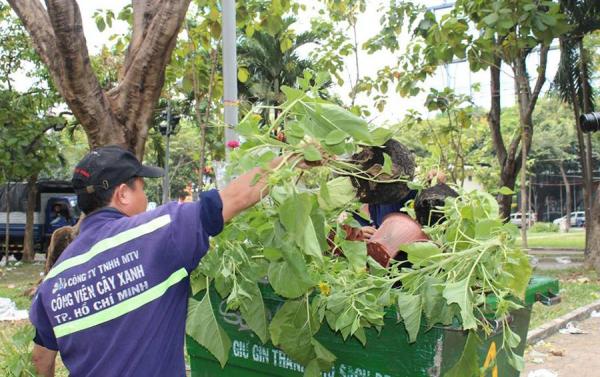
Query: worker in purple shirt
{"type": "Point", "coordinates": [115, 302]}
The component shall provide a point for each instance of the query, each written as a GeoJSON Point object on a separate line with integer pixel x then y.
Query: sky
{"type": "Point", "coordinates": [457, 76]}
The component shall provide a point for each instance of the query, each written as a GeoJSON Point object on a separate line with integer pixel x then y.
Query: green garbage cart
{"type": "Point", "coordinates": [386, 354]}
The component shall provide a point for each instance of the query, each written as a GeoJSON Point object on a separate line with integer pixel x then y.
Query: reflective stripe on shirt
{"type": "Point", "coordinates": [109, 243]}
{"type": "Point", "coordinates": [121, 308]}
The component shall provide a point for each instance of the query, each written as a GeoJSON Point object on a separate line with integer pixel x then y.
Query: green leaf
{"type": "Point", "coordinates": [254, 313]}
{"type": "Point", "coordinates": [294, 214]}
{"type": "Point", "coordinates": [487, 228]}
{"type": "Point", "coordinates": [345, 319]}
{"type": "Point", "coordinates": [203, 327]}
{"type": "Point", "coordinates": [409, 307]}
{"type": "Point", "coordinates": [272, 254]}
{"type": "Point", "coordinates": [310, 244]}
{"type": "Point", "coordinates": [197, 281]}
{"type": "Point", "coordinates": [468, 364]}
{"type": "Point", "coordinates": [330, 117]}
{"type": "Point", "coordinates": [311, 153]}
{"type": "Point", "coordinates": [356, 253]}
{"type": "Point", "coordinates": [336, 193]}
{"type": "Point", "coordinates": [292, 329]}
{"type": "Point", "coordinates": [415, 186]}
{"type": "Point", "coordinates": [459, 292]}
{"type": "Point", "coordinates": [285, 44]}
{"type": "Point", "coordinates": [335, 137]}
{"type": "Point", "coordinates": [312, 369]}
{"type": "Point", "coordinates": [491, 19]}
{"type": "Point", "coordinates": [419, 252]}
{"type": "Point", "coordinates": [186, 84]}
{"type": "Point", "coordinates": [100, 24]}
{"type": "Point", "coordinates": [380, 135]}
{"type": "Point", "coordinates": [361, 336]}
{"type": "Point", "coordinates": [243, 74]}
{"type": "Point", "coordinates": [387, 164]}
{"type": "Point", "coordinates": [433, 300]}
{"type": "Point", "coordinates": [519, 270]}
{"type": "Point", "coordinates": [505, 191]}
{"type": "Point", "coordinates": [516, 361]}
{"type": "Point", "coordinates": [250, 30]}
{"type": "Point", "coordinates": [285, 281]}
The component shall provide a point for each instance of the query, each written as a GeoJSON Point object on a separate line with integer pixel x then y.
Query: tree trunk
{"type": "Point", "coordinates": [122, 114]}
{"type": "Point", "coordinates": [506, 177]}
{"type": "Point", "coordinates": [594, 240]}
{"type": "Point", "coordinates": [28, 247]}
{"type": "Point", "coordinates": [587, 150]}
{"type": "Point", "coordinates": [523, 97]}
{"type": "Point", "coordinates": [527, 99]}
{"type": "Point", "coordinates": [7, 229]}
{"type": "Point", "coordinates": [568, 193]}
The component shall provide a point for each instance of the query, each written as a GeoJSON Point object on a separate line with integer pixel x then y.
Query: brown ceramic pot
{"type": "Point", "coordinates": [397, 229]}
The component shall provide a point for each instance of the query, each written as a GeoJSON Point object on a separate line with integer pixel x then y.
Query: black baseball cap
{"type": "Point", "coordinates": [106, 167]}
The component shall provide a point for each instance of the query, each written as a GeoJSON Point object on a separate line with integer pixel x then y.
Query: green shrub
{"type": "Point", "coordinates": [15, 353]}
{"type": "Point", "coordinates": [544, 228]}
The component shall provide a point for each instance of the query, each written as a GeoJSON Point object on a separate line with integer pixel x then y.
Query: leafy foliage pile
{"type": "Point", "coordinates": [287, 238]}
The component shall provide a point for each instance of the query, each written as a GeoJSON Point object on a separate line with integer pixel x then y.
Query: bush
{"type": "Point", "coordinates": [15, 353]}
{"type": "Point", "coordinates": [544, 228]}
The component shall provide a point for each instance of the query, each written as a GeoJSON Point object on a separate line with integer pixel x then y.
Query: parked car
{"type": "Point", "coordinates": [577, 219]}
{"type": "Point", "coordinates": [515, 218]}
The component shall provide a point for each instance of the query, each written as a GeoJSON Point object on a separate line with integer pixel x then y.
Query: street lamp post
{"type": "Point", "coordinates": [168, 128]}
{"type": "Point", "coordinates": [166, 182]}
{"type": "Point", "coordinates": [230, 95]}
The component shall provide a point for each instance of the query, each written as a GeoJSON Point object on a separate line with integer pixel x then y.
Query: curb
{"type": "Point", "coordinates": [553, 326]}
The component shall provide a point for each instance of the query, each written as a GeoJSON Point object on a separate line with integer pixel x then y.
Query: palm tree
{"type": "Point", "coordinates": [572, 82]}
{"type": "Point", "coordinates": [269, 67]}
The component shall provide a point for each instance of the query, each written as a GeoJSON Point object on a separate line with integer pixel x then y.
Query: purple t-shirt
{"type": "Point", "coordinates": [115, 302]}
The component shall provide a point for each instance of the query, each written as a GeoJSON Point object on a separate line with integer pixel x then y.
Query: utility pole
{"type": "Point", "coordinates": [230, 95]}
{"type": "Point", "coordinates": [166, 182]}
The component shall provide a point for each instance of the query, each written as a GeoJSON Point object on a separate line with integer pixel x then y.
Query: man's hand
{"type": "Point", "coordinates": [368, 232]}
{"type": "Point", "coordinates": [44, 360]}
{"type": "Point", "coordinates": [244, 191]}
{"type": "Point", "coordinates": [438, 175]}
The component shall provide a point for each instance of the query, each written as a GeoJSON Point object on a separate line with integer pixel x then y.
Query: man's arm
{"type": "Point", "coordinates": [241, 193]}
{"type": "Point", "coordinates": [44, 360]}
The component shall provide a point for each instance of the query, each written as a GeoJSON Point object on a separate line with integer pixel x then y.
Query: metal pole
{"type": "Point", "coordinates": [230, 95]}
{"type": "Point", "coordinates": [166, 181]}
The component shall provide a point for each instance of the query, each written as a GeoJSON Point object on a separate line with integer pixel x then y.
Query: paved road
{"type": "Point", "coordinates": [580, 357]}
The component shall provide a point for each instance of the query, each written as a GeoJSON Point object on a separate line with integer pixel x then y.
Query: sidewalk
{"type": "Point", "coordinates": [572, 355]}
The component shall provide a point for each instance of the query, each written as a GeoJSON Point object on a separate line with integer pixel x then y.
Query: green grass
{"type": "Point", "coordinates": [15, 281]}
{"type": "Point", "coordinates": [577, 288]}
{"type": "Point", "coordinates": [571, 240]}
